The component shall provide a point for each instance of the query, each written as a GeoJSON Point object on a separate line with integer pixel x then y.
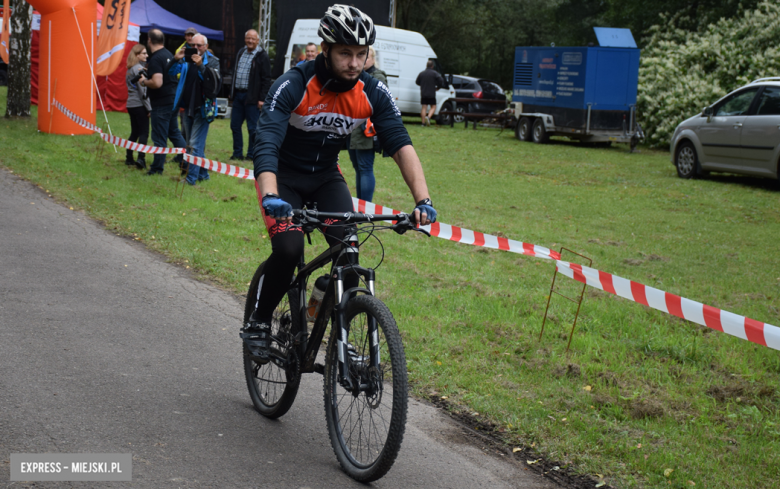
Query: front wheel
{"type": "Point", "coordinates": [274, 385]}
{"type": "Point", "coordinates": [366, 423]}
{"type": "Point", "coordinates": [523, 129]}
{"type": "Point", "coordinates": [444, 119]}
{"type": "Point", "coordinates": [686, 160]}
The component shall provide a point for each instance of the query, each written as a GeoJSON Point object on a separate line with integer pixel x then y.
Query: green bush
{"type": "Point", "coordinates": [682, 71]}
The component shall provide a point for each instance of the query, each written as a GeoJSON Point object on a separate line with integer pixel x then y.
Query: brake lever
{"type": "Point", "coordinates": [421, 230]}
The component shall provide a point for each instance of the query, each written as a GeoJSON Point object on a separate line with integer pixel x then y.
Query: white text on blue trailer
{"type": "Point", "coordinates": [584, 93]}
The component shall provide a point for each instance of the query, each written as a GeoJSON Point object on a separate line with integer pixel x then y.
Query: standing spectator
{"type": "Point", "coordinates": [361, 146]}
{"type": "Point", "coordinates": [188, 35]}
{"type": "Point", "coordinates": [161, 91]}
{"type": "Point", "coordinates": [251, 82]}
{"type": "Point", "coordinates": [311, 53]}
{"type": "Point", "coordinates": [430, 81]}
{"type": "Point", "coordinates": [199, 84]}
{"type": "Point", "coordinates": [138, 106]}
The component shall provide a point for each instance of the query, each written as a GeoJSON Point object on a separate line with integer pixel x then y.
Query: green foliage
{"type": "Point", "coordinates": [682, 71]}
{"type": "Point", "coordinates": [478, 37]}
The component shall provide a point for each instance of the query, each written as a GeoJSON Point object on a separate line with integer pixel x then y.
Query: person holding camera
{"type": "Point", "coordinates": [138, 106]}
{"type": "Point", "coordinates": [199, 84]}
{"type": "Point", "coordinates": [161, 92]}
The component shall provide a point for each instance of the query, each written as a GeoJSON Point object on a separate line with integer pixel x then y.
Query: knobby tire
{"type": "Point", "coordinates": [366, 430]}
{"type": "Point", "coordinates": [271, 388]}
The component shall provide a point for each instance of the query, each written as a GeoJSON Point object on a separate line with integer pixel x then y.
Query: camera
{"type": "Point", "coordinates": [188, 53]}
{"type": "Point", "coordinates": [137, 77]}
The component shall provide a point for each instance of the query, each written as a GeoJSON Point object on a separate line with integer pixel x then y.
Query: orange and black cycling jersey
{"type": "Point", "coordinates": [302, 127]}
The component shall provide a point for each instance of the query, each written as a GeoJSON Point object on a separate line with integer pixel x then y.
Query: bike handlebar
{"type": "Point", "coordinates": [403, 221]}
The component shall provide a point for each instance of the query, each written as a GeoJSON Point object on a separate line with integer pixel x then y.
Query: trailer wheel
{"type": "Point", "coordinates": [523, 129]}
{"type": "Point", "coordinates": [540, 135]}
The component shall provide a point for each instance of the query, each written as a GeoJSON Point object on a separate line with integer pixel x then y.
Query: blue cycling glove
{"type": "Point", "coordinates": [426, 206]}
{"type": "Point", "coordinates": [275, 207]}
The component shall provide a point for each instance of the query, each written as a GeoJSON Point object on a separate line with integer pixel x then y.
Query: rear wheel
{"type": "Point", "coordinates": [274, 385]}
{"type": "Point", "coordinates": [540, 135]}
{"type": "Point", "coordinates": [523, 129]}
{"type": "Point", "coordinates": [366, 424]}
{"type": "Point", "coordinates": [459, 117]}
{"type": "Point", "coordinates": [686, 160]}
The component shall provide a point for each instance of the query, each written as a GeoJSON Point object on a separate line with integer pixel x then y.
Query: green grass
{"type": "Point", "coordinates": [663, 393]}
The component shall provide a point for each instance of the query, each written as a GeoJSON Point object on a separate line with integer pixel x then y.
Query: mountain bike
{"type": "Point", "coordinates": [364, 364]}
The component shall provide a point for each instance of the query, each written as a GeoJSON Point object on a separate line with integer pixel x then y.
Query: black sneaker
{"type": "Point", "coordinates": [140, 164]}
{"type": "Point", "coordinates": [257, 338]}
{"type": "Point", "coordinates": [153, 172]}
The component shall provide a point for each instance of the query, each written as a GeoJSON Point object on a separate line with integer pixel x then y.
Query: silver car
{"type": "Point", "coordinates": [739, 133]}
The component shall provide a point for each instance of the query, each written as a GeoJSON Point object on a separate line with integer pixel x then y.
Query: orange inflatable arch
{"type": "Point", "coordinates": [65, 68]}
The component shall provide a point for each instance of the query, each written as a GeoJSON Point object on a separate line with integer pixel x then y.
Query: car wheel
{"type": "Point", "coordinates": [458, 117]}
{"type": "Point", "coordinates": [523, 129]}
{"type": "Point", "coordinates": [686, 160]}
{"type": "Point", "coordinates": [539, 134]}
{"type": "Point", "coordinates": [444, 119]}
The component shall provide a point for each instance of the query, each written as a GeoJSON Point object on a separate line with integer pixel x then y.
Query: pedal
{"type": "Point", "coordinates": [319, 368]}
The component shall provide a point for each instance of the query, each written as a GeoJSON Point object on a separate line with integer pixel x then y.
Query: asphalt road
{"type": "Point", "coordinates": [106, 348]}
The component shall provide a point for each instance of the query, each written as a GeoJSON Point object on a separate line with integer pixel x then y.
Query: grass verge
{"type": "Point", "coordinates": [642, 399]}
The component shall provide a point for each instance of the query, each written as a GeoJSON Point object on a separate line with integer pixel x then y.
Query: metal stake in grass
{"type": "Point", "coordinates": [101, 143]}
{"type": "Point", "coordinates": [578, 302]}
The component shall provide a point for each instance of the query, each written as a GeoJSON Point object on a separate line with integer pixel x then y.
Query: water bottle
{"type": "Point", "coordinates": [315, 301]}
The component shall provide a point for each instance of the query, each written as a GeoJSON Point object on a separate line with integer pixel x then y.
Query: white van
{"type": "Point", "coordinates": [400, 53]}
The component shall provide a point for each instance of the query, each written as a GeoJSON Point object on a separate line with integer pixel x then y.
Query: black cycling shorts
{"type": "Point", "coordinates": [330, 192]}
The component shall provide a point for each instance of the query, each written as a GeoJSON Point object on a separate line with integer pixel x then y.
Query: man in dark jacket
{"type": "Point", "coordinates": [199, 81]}
{"type": "Point", "coordinates": [251, 81]}
{"type": "Point", "coordinates": [161, 92]}
{"type": "Point", "coordinates": [430, 81]}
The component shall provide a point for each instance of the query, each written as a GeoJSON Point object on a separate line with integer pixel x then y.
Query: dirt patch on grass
{"type": "Point", "coordinates": [571, 370]}
{"type": "Point", "coordinates": [646, 408]}
{"type": "Point", "coordinates": [496, 438]}
{"type": "Point", "coordinates": [743, 393]}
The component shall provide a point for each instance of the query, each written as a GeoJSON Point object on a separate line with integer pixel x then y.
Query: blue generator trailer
{"type": "Point", "coordinates": [584, 93]}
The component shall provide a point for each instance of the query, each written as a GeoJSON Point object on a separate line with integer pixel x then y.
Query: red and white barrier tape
{"type": "Point", "coordinates": [727, 322]}
{"type": "Point", "coordinates": [466, 236]}
{"type": "Point", "coordinates": [712, 317]}
{"type": "Point", "coordinates": [142, 148]}
{"type": "Point", "coordinates": [124, 143]}
{"type": "Point", "coordinates": [78, 120]}
{"type": "Point", "coordinates": [229, 170]}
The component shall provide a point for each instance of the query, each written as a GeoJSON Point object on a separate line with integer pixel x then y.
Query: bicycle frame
{"type": "Point", "coordinates": [334, 305]}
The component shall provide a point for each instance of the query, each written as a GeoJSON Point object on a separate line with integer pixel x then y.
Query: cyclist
{"type": "Point", "coordinates": [308, 113]}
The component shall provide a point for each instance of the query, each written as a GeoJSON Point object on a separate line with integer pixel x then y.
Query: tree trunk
{"type": "Point", "coordinates": [19, 60]}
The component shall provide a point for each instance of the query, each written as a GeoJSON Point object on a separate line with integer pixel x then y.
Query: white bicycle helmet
{"type": "Point", "coordinates": [343, 24]}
